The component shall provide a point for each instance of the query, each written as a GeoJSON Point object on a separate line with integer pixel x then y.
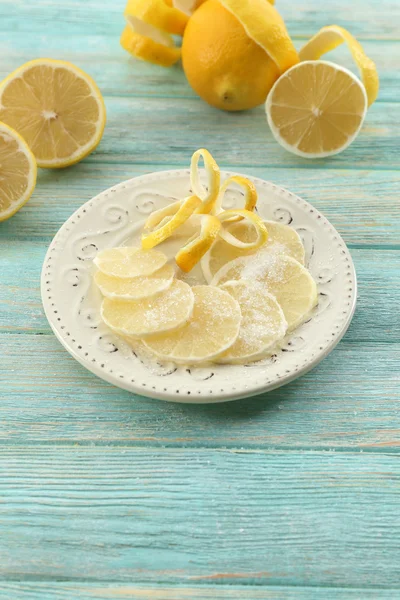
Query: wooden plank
{"type": "Point", "coordinates": [117, 74]}
{"type": "Point", "coordinates": [243, 139]}
{"type": "Point", "coordinates": [95, 591]}
{"type": "Point", "coordinates": [21, 308]}
{"type": "Point", "coordinates": [379, 21]}
{"type": "Point", "coordinates": [360, 204]}
{"type": "Point", "coordinates": [351, 400]}
{"type": "Point", "coordinates": [208, 516]}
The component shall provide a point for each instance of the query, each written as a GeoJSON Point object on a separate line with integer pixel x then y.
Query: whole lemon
{"type": "Point", "coordinates": [222, 63]}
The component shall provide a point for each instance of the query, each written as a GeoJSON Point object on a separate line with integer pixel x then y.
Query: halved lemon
{"type": "Point", "coordinates": [212, 329]}
{"type": "Point", "coordinates": [281, 276]}
{"type": "Point", "coordinates": [316, 109]}
{"type": "Point", "coordinates": [127, 262]}
{"type": "Point", "coordinates": [263, 323]}
{"type": "Point", "coordinates": [147, 43]}
{"type": "Point", "coordinates": [17, 172]}
{"type": "Point", "coordinates": [136, 288]}
{"type": "Point", "coordinates": [56, 107]}
{"type": "Point", "coordinates": [163, 313]}
{"type": "Point", "coordinates": [279, 235]}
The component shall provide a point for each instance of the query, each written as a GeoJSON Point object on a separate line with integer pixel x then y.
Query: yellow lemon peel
{"type": "Point", "coordinates": [184, 210]}
{"type": "Point", "coordinates": [250, 193]}
{"type": "Point", "coordinates": [262, 232]}
{"type": "Point", "coordinates": [192, 252]}
{"type": "Point", "coordinates": [332, 36]}
{"type": "Point", "coordinates": [208, 197]}
{"type": "Point", "coordinates": [145, 48]}
{"type": "Point", "coordinates": [158, 14]}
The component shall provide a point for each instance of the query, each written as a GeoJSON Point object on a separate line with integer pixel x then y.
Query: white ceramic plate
{"type": "Point", "coordinates": [114, 218]}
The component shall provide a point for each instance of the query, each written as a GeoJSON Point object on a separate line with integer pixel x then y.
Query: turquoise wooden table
{"type": "Point", "coordinates": [290, 496]}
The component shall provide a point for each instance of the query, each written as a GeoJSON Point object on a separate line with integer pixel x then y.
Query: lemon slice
{"type": "Point", "coordinates": [213, 328]}
{"type": "Point", "coordinates": [316, 109]}
{"type": "Point", "coordinates": [265, 26]}
{"type": "Point", "coordinates": [17, 172]}
{"type": "Point", "coordinates": [222, 252]}
{"type": "Point", "coordinates": [163, 313]}
{"type": "Point", "coordinates": [263, 323]}
{"type": "Point", "coordinates": [281, 276]}
{"type": "Point", "coordinates": [127, 262]}
{"type": "Point", "coordinates": [208, 196]}
{"type": "Point", "coordinates": [194, 250]}
{"type": "Point", "coordinates": [332, 36]}
{"type": "Point", "coordinates": [147, 43]}
{"type": "Point", "coordinates": [157, 14]}
{"type": "Point", "coordinates": [136, 288]}
{"type": "Point", "coordinates": [181, 213]}
{"type": "Point", "coordinates": [56, 107]}
{"type": "Point", "coordinates": [250, 193]}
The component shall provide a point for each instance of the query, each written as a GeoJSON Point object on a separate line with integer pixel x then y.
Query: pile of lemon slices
{"type": "Point", "coordinates": [251, 288]}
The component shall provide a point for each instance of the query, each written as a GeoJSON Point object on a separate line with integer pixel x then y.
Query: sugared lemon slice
{"type": "Point", "coordinates": [263, 323]}
{"type": "Point", "coordinates": [279, 235]}
{"type": "Point", "coordinates": [281, 276]}
{"type": "Point", "coordinates": [213, 328]}
{"type": "Point", "coordinates": [128, 262]}
{"type": "Point", "coordinates": [136, 288]}
{"type": "Point", "coordinates": [163, 313]}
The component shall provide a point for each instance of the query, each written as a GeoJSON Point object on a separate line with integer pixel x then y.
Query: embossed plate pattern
{"type": "Point", "coordinates": [115, 217]}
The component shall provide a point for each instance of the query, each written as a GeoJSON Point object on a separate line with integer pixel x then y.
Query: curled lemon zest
{"type": "Point", "coordinates": [182, 213]}
{"type": "Point", "coordinates": [208, 197]}
{"type": "Point", "coordinates": [262, 232]}
{"type": "Point", "coordinates": [250, 193]}
{"type": "Point", "coordinates": [192, 252]}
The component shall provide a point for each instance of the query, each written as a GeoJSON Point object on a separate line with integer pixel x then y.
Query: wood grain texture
{"type": "Point", "coordinates": [96, 591]}
{"type": "Point", "coordinates": [21, 307]}
{"type": "Point", "coordinates": [350, 401]}
{"type": "Point", "coordinates": [293, 495]}
{"type": "Point", "coordinates": [130, 78]}
{"type": "Point", "coordinates": [243, 139]}
{"type": "Point", "coordinates": [163, 515]}
{"type": "Point", "coordinates": [362, 205]}
{"type": "Point", "coordinates": [366, 20]}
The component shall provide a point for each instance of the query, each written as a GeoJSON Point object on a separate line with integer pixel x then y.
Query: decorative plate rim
{"type": "Point", "coordinates": [190, 396]}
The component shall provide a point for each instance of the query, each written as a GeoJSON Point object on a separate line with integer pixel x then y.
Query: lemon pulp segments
{"type": "Point", "coordinates": [17, 172]}
{"type": "Point", "coordinates": [208, 198]}
{"type": "Point", "coordinates": [212, 329]}
{"type": "Point", "coordinates": [250, 193]}
{"type": "Point", "coordinates": [163, 313]}
{"type": "Point", "coordinates": [332, 36]}
{"type": "Point", "coordinates": [56, 107]}
{"type": "Point", "coordinates": [194, 250]}
{"type": "Point", "coordinates": [316, 109]}
{"type": "Point", "coordinates": [183, 211]}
